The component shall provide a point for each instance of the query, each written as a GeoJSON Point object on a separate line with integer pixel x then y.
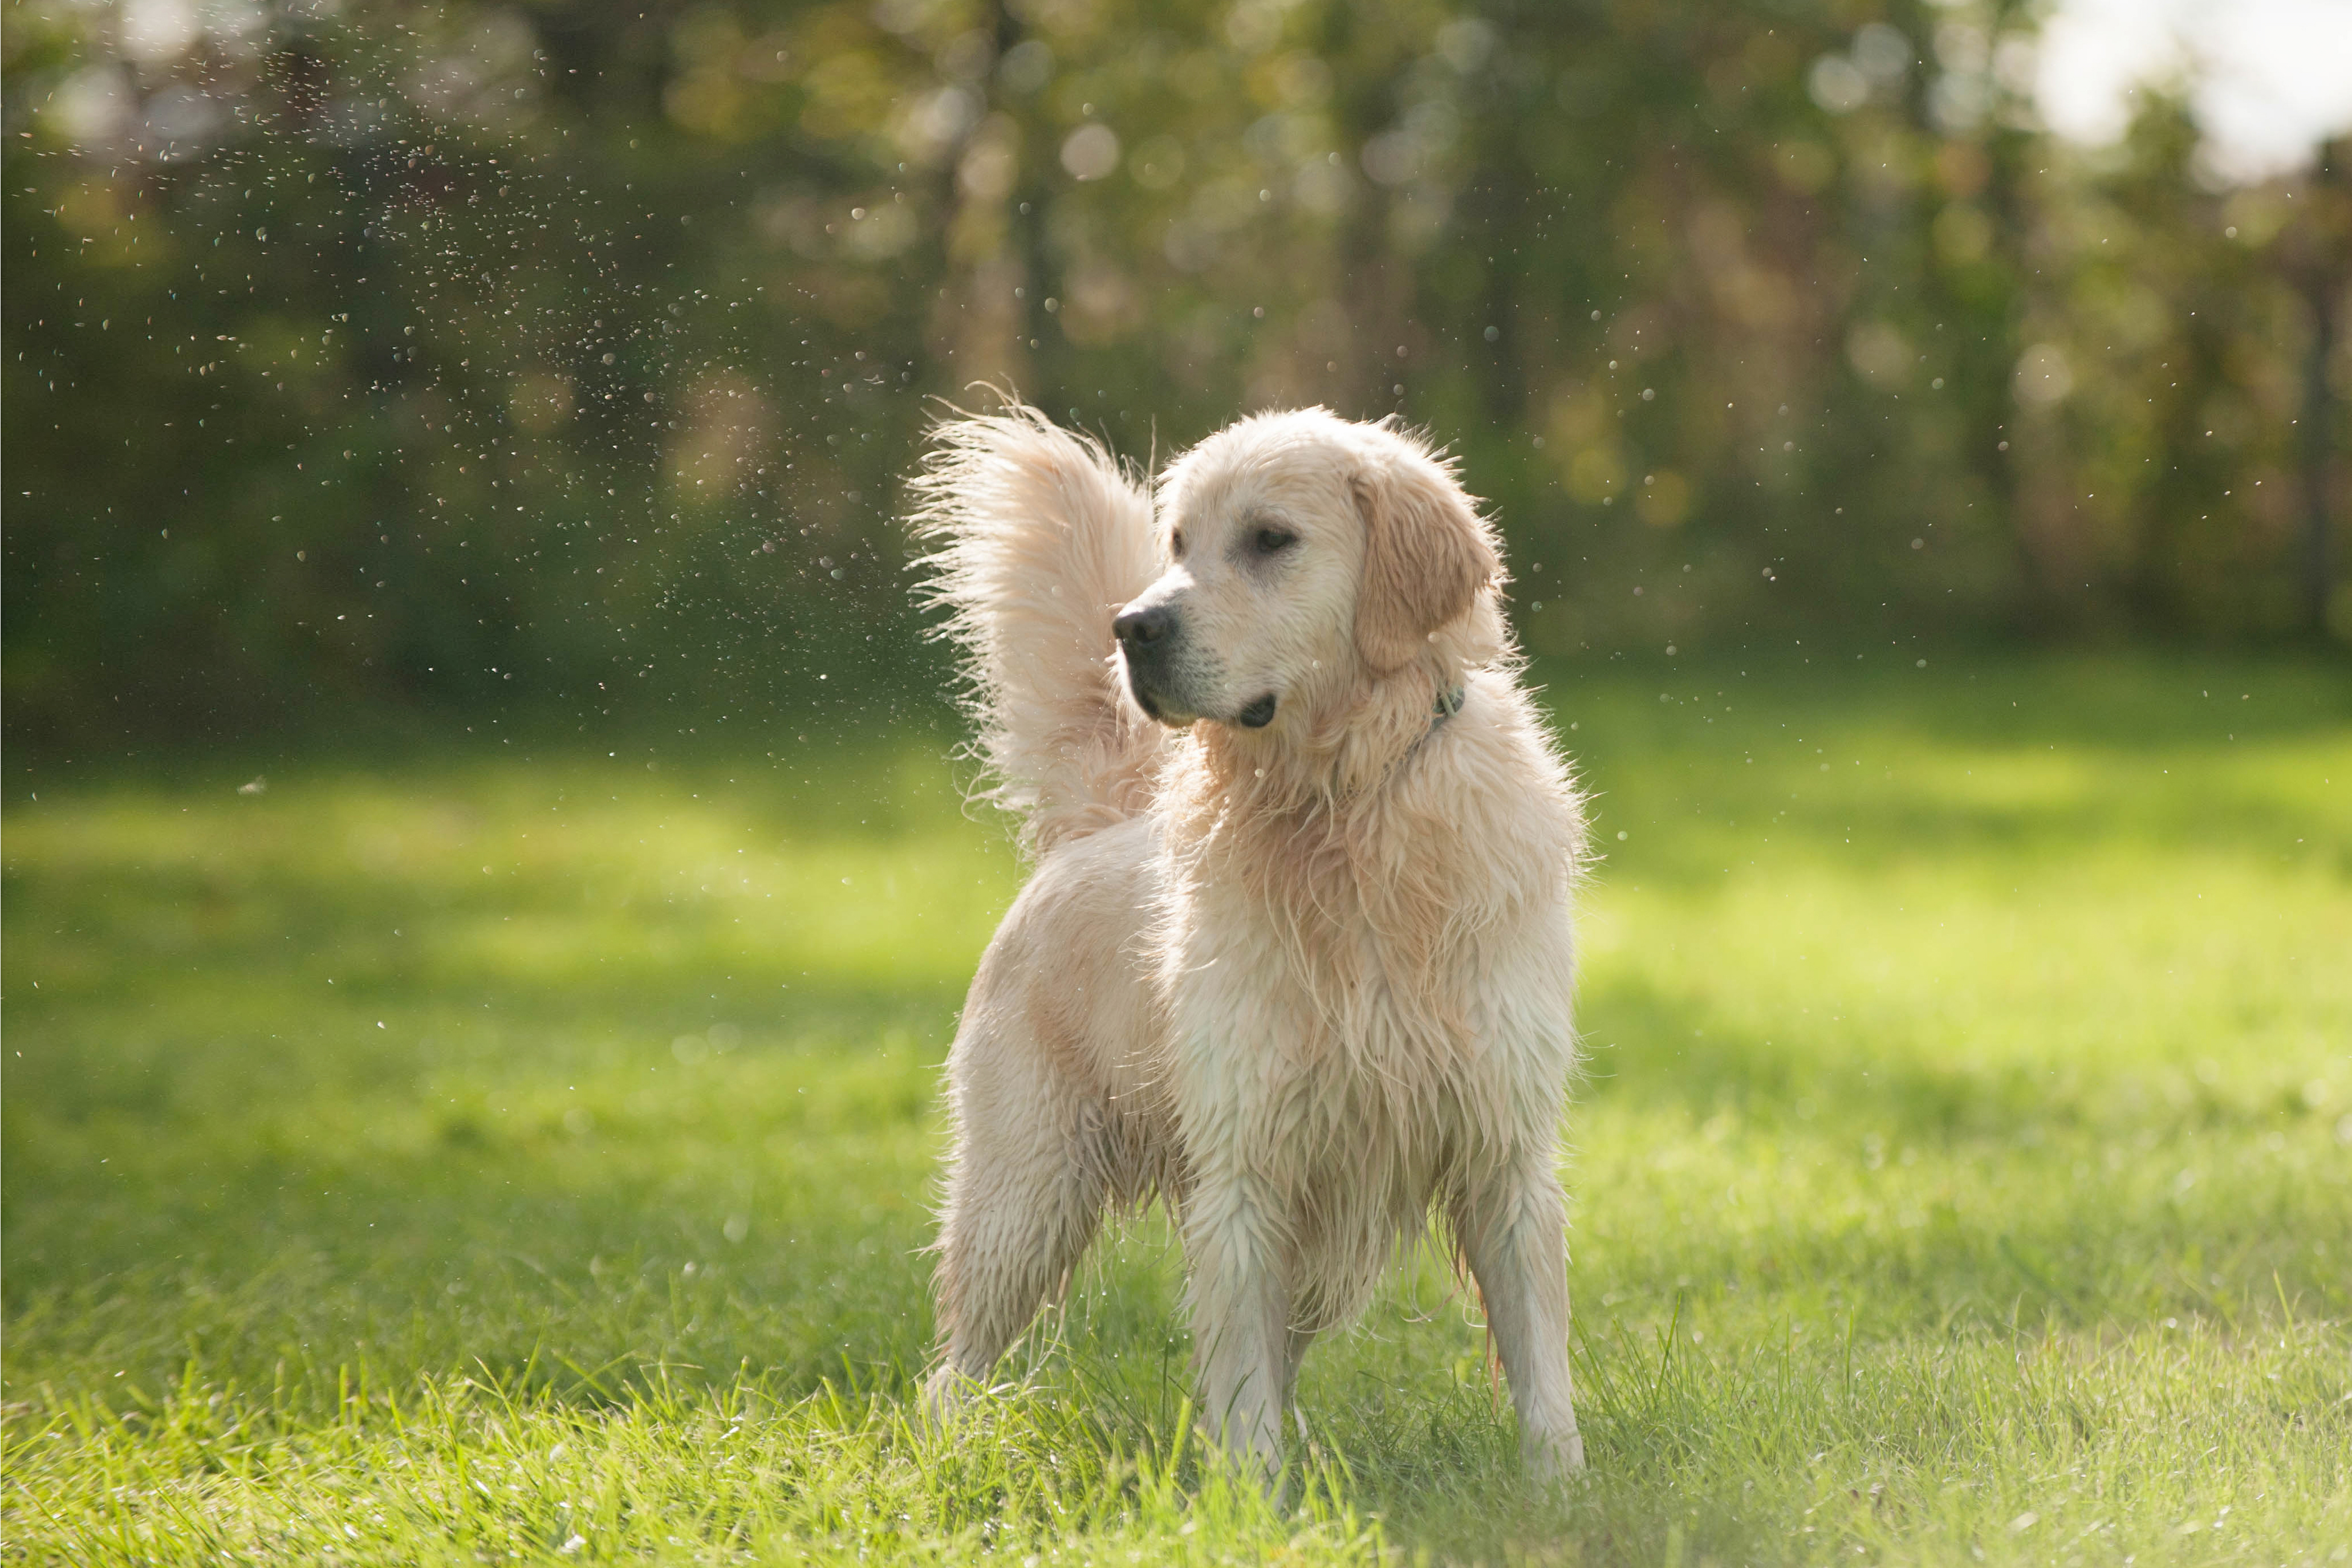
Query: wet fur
{"type": "Point", "coordinates": [1309, 982]}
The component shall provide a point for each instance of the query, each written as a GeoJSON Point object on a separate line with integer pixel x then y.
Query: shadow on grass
{"type": "Point", "coordinates": [1679, 1051]}
{"type": "Point", "coordinates": [2010, 755]}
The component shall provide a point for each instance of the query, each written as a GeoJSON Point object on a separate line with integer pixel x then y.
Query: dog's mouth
{"type": "Point", "coordinates": [1178, 715]}
{"type": "Point", "coordinates": [1156, 709]}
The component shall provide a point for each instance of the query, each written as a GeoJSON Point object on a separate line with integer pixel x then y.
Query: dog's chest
{"type": "Point", "coordinates": [1313, 1018]}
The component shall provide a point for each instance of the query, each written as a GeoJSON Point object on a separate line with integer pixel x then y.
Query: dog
{"type": "Point", "coordinates": [1296, 953]}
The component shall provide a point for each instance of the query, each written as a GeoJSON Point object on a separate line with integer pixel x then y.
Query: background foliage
{"type": "Point", "coordinates": [370, 350]}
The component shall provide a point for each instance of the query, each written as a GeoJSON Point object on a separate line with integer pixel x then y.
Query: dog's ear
{"type": "Point", "coordinates": [1426, 555]}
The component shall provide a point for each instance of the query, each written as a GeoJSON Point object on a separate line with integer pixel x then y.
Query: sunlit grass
{"type": "Point", "coordinates": [477, 1156]}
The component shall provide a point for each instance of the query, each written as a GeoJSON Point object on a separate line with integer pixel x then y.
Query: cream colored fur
{"type": "Point", "coordinates": [1310, 982]}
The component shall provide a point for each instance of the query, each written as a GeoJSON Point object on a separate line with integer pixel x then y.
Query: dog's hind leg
{"type": "Point", "coordinates": [1512, 1226]}
{"type": "Point", "coordinates": [1024, 1197]}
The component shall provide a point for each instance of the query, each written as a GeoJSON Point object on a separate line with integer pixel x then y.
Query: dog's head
{"type": "Point", "coordinates": [1306, 554]}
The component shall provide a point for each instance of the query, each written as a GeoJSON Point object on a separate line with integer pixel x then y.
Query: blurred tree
{"type": "Point", "coordinates": [378, 351]}
{"type": "Point", "coordinates": [2317, 251]}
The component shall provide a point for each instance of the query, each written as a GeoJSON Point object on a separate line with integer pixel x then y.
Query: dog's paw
{"type": "Point", "coordinates": [947, 1393]}
{"type": "Point", "coordinates": [1552, 1459]}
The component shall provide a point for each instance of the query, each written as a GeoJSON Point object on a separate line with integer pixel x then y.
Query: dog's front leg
{"type": "Point", "coordinates": [1239, 1307]}
{"type": "Point", "coordinates": [1513, 1225]}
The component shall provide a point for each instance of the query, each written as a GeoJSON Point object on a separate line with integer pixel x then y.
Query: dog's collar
{"type": "Point", "coordinates": [1448, 704]}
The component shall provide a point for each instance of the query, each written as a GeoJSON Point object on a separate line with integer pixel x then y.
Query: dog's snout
{"type": "Point", "coordinates": [1139, 628]}
{"type": "Point", "coordinates": [1147, 647]}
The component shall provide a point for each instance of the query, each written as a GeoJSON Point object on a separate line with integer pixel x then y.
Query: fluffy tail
{"type": "Point", "coordinates": [1040, 539]}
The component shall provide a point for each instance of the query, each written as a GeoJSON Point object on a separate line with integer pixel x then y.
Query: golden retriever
{"type": "Point", "coordinates": [1297, 955]}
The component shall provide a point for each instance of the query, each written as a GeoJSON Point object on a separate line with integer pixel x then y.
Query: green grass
{"type": "Point", "coordinates": [456, 1155]}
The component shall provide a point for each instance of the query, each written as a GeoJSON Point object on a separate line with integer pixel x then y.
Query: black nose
{"type": "Point", "coordinates": [1140, 628]}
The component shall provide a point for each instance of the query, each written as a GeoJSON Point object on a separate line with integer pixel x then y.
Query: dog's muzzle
{"type": "Point", "coordinates": [1147, 642]}
{"type": "Point", "coordinates": [1151, 642]}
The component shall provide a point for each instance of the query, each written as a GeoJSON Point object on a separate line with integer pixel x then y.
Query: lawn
{"type": "Point", "coordinates": [494, 1151]}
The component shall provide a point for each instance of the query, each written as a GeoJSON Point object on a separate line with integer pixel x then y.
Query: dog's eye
{"type": "Point", "coordinates": [1176, 543]}
{"type": "Point", "coordinates": [1272, 541]}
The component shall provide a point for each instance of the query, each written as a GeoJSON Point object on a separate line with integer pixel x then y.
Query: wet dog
{"type": "Point", "coordinates": [1296, 953]}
